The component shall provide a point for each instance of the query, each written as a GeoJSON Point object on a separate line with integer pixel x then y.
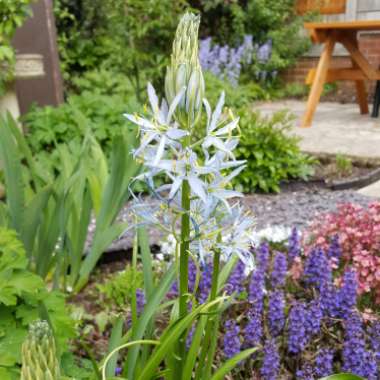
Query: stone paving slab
{"type": "Point", "coordinates": [337, 129]}
{"type": "Point", "coordinates": [372, 190]}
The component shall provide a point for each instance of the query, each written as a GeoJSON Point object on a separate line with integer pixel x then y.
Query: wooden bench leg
{"type": "Point", "coordinates": [361, 92]}
{"type": "Point", "coordinates": [319, 81]}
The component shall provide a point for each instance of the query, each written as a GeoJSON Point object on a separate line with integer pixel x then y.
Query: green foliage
{"type": "Point", "coordinates": [118, 289]}
{"type": "Point", "coordinates": [23, 299]}
{"type": "Point", "coordinates": [236, 97]}
{"type": "Point", "coordinates": [98, 112]}
{"type": "Point", "coordinates": [39, 354]}
{"type": "Point", "coordinates": [343, 164]}
{"type": "Point", "coordinates": [12, 15]}
{"type": "Point", "coordinates": [52, 213]}
{"type": "Point", "coordinates": [133, 37]}
{"type": "Point", "coordinates": [272, 155]}
{"type": "Point", "coordinates": [128, 36]}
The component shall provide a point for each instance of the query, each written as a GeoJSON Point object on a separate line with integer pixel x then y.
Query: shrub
{"type": "Point", "coordinates": [118, 288]}
{"type": "Point", "coordinates": [272, 155]}
{"type": "Point", "coordinates": [357, 229]}
{"type": "Point", "coordinates": [96, 112]}
{"type": "Point", "coordinates": [126, 36]}
{"type": "Point", "coordinates": [236, 97]}
{"type": "Point", "coordinates": [24, 299]}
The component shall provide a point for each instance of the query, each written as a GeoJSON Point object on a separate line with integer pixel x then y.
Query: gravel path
{"type": "Point", "coordinates": [296, 205]}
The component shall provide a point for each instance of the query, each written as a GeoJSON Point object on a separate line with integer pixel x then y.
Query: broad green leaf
{"type": "Point", "coordinates": [170, 337]}
{"type": "Point", "coordinates": [192, 355]}
{"type": "Point", "coordinates": [11, 162]}
{"type": "Point", "coordinates": [150, 310]}
{"type": "Point", "coordinates": [33, 213]}
{"type": "Point", "coordinates": [230, 364]}
{"type": "Point", "coordinates": [343, 376]}
{"type": "Point", "coordinates": [99, 245]}
{"type": "Point", "coordinates": [146, 258]}
{"type": "Point", "coordinates": [115, 341]}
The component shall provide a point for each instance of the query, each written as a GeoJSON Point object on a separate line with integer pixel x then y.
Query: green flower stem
{"type": "Point", "coordinates": [133, 295]}
{"type": "Point", "coordinates": [184, 249]}
{"type": "Point", "coordinates": [184, 264]}
{"type": "Point", "coordinates": [212, 320]}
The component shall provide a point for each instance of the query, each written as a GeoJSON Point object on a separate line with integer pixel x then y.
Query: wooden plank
{"type": "Point", "coordinates": [324, 7]}
{"type": "Point", "coordinates": [357, 57]}
{"type": "Point", "coordinates": [344, 25]}
{"type": "Point", "coordinates": [319, 81]}
{"type": "Point", "coordinates": [334, 75]}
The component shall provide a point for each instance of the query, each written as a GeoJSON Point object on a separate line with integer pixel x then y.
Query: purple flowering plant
{"type": "Point", "coordinates": [305, 328]}
{"type": "Point", "coordinates": [226, 62]}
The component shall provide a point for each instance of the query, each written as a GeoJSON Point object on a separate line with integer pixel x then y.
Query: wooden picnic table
{"type": "Point", "coordinates": [346, 33]}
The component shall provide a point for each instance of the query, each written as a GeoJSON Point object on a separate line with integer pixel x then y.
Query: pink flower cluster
{"type": "Point", "coordinates": [358, 230]}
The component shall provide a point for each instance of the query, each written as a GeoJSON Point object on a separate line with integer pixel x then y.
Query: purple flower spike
{"type": "Point", "coordinates": [262, 256]}
{"type": "Point", "coordinates": [189, 338]}
{"type": "Point", "coordinates": [280, 266]}
{"type": "Point", "coordinates": [205, 283]}
{"type": "Point", "coordinates": [232, 344]}
{"type": "Point", "coordinates": [305, 373]}
{"type": "Point", "coordinates": [334, 251]}
{"type": "Point", "coordinates": [324, 363]}
{"type": "Point", "coordinates": [264, 52]}
{"type": "Point", "coordinates": [294, 245]}
{"type": "Point", "coordinates": [317, 270]}
{"type": "Point", "coordinates": [356, 358]}
{"type": "Point", "coordinates": [236, 279]}
{"type": "Point", "coordinates": [314, 318]}
{"type": "Point", "coordinates": [140, 298]}
{"type": "Point", "coordinates": [253, 331]}
{"type": "Point", "coordinates": [297, 328]}
{"type": "Point", "coordinates": [276, 313]}
{"type": "Point", "coordinates": [330, 300]}
{"type": "Point", "coordinates": [271, 363]}
{"type": "Point", "coordinates": [348, 293]}
{"type": "Point", "coordinates": [173, 292]}
{"type": "Point", "coordinates": [256, 291]}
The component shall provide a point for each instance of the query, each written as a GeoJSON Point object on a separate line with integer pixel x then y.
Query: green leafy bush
{"type": "Point", "coordinates": [132, 37]}
{"type": "Point", "coordinates": [272, 155]}
{"type": "Point", "coordinates": [94, 112]}
{"type": "Point", "coordinates": [23, 299]}
{"type": "Point", "coordinates": [236, 97]}
{"type": "Point", "coordinates": [118, 289]}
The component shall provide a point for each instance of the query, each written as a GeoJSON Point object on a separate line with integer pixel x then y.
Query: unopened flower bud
{"type": "Point", "coordinates": [39, 356]}
{"type": "Point", "coordinates": [185, 71]}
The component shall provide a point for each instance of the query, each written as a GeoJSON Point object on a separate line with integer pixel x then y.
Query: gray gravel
{"type": "Point", "coordinates": [296, 206]}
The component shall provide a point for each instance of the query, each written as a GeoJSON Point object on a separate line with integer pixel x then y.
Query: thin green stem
{"type": "Point", "coordinates": [211, 318]}
{"type": "Point", "coordinates": [184, 249]}
{"type": "Point", "coordinates": [133, 295]}
{"type": "Point", "coordinates": [183, 264]}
